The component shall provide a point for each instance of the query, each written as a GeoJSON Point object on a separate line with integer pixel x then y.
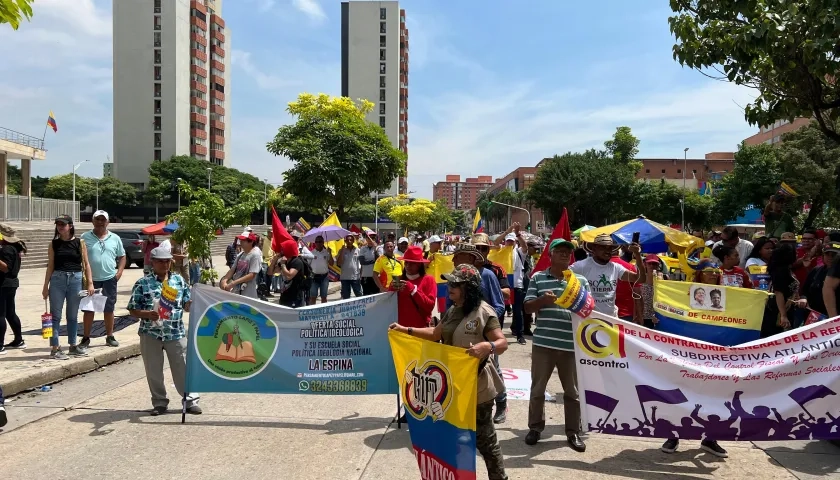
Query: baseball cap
{"type": "Point", "coordinates": [510, 236]}
{"type": "Point", "coordinates": [832, 247]}
{"type": "Point", "coordinates": [560, 242]}
{"type": "Point", "coordinates": [248, 236]}
{"type": "Point", "coordinates": [402, 239]}
{"type": "Point", "coordinates": [435, 239]}
{"type": "Point", "coordinates": [101, 213]}
{"type": "Point", "coordinates": [161, 253]}
{"type": "Point", "coordinates": [64, 219]}
{"type": "Point", "coordinates": [652, 258]}
{"type": "Point", "coordinates": [788, 237]}
{"type": "Point", "coordinates": [464, 273]}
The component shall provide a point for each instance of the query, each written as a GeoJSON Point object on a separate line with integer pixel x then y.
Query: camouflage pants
{"type": "Point", "coordinates": [487, 443]}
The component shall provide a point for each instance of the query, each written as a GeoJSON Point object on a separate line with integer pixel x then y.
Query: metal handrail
{"type": "Point", "coordinates": [21, 138]}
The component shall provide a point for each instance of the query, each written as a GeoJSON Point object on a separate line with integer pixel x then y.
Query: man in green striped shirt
{"type": "Point", "coordinates": [553, 346]}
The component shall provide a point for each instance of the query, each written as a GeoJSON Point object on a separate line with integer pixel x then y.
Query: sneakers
{"type": "Point", "coordinates": [194, 410]}
{"type": "Point", "coordinates": [712, 447]}
{"type": "Point", "coordinates": [670, 445]}
{"type": "Point", "coordinates": [17, 344]}
{"type": "Point", "coordinates": [77, 351]}
{"type": "Point", "coordinates": [2, 350]}
{"type": "Point", "coordinates": [85, 343]}
{"type": "Point", "coordinates": [533, 437]}
{"type": "Point", "coordinates": [501, 414]}
{"type": "Point", "coordinates": [111, 341]}
{"type": "Point", "coordinates": [521, 340]}
{"type": "Point", "coordinates": [158, 411]}
{"type": "Point", "coordinates": [57, 354]}
{"type": "Point", "coordinates": [3, 419]}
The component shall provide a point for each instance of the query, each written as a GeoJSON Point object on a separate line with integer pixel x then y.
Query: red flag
{"type": "Point", "coordinates": [278, 232]}
{"type": "Point", "coordinates": [355, 229]}
{"type": "Point", "coordinates": [563, 231]}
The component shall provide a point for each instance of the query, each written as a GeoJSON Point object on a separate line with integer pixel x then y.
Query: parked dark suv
{"type": "Point", "coordinates": [133, 244]}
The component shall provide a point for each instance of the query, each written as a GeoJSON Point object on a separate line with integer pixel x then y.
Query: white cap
{"type": "Point", "coordinates": [161, 253]}
{"type": "Point", "coordinates": [402, 239]}
{"type": "Point", "coordinates": [101, 213]}
{"type": "Point", "coordinates": [435, 239]}
{"type": "Point", "coordinates": [249, 229]}
{"type": "Point", "coordinates": [510, 236]}
{"type": "Point", "coordinates": [709, 243]}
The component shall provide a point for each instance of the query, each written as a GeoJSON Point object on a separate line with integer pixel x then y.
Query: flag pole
{"type": "Point", "coordinates": [44, 137]}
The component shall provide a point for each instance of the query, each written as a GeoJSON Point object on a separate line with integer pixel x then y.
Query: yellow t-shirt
{"type": "Point", "coordinates": [387, 268]}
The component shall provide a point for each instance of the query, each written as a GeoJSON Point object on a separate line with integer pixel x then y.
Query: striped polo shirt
{"type": "Point", "coordinates": [554, 324]}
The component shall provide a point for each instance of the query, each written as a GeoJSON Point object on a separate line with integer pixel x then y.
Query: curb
{"type": "Point", "coordinates": [58, 373]}
{"type": "Point", "coordinates": [100, 359]}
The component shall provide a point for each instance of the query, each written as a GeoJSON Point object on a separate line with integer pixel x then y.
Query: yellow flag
{"type": "Point", "coordinates": [335, 245]}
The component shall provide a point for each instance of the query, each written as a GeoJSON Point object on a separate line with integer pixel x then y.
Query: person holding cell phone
{"type": "Point", "coordinates": [603, 275]}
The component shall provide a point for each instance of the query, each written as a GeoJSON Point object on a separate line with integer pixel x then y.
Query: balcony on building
{"type": "Point", "coordinates": [201, 87]}
{"type": "Point", "coordinates": [198, 102]}
{"type": "Point", "coordinates": [218, 50]}
{"type": "Point", "coordinates": [198, 5]}
{"type": "Point", "coordinates": [197, 117]}
{"type": "Point", "coordinates": [197, 133]}
{"type": "Point", "coordinates": [198, 149]}
{"type": "Point", "coordinates": [217, 124]}
{"type": "Point", "coordinates": [217, 154]}
{"type": "Point", "coordinates": [217, 79]}
{"type": "Point", "coordinates": [198, 39]}
{"type": "Point", "coordinates": [219, 36]}
{"type": "Point", "coordinates": [198, 70]}
{"type": "Point", "coordinates": [217, 109]}
{"type": "Point", "coordinates": [198, 54]}
{"type": "Point", "coordinates": [217, 20]}
{"type": "Point", "coordinates": [218, 95]}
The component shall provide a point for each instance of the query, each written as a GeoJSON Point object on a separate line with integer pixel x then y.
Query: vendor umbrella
{"type": "Point", "coordinates": [653, 237]}
{"type": "Point", "coordinates": [582, 229]}
{"type": "Point", "coordinates": [170, 227]}
{"type": "Point", "coordinates": [159, 228]}
{"type": "Point", "coordinates": [330, 233]}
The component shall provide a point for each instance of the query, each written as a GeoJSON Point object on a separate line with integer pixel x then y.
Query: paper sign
{"type": "Point", "coordinates": [93, 303]}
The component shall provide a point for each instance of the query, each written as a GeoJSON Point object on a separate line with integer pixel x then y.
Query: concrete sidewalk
{"type": "Point", "coordinates": [22, 370]}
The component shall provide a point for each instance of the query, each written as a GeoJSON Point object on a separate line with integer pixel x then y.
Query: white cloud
{"type": "Point", "coordinates": [311, 8]}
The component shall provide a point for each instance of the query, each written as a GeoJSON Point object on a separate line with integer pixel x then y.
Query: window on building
{"type": "Point", "coordinates": [382, 13]}
{"type": "Point", "coordinates": [197, 125]}
{"type": "Point", "coordinates": [381, 82]}
{"type": "Point", "coordinates": [157, 89]}
{"type": "Point", "coordinates": [157, 22]}
{"type": "Point", "coordinates": [157, 72]}
{"type": "Point", "coordinates": [200, 15]}
{"type": "Point", "coordinates": [382, 27]}
{"type": "Point", "coordinates": [679, 170]}
{"type": "Point", "coordinates": [382, 42]}
{"type": "Point", "coordinates": [663, 170]}
{"type": "Point", "coordinates": [382, 109]}
{"type": "Point", "coordinates": [694, 171]}
{"type": "Point", "coordinates": [157, 56]}
{"type": "Point", "coordinates": [157, 106]}
{"type": "Point", "coordinates": [382, 68]}
{"type": "Point", "coordinates": [382, 54]}
{"type": "Point", "coordinates": [157, 123]}
{"type": "Point", "coordinates": [157, 140]}
{"type": "Point", "coordinates": [198, 110]}
{"type": "Point", "coordinates": [157, 6]}
{"type": "Point", "coordinates": [157, 155]}
{"type": "Point", "coordinates": [157, 39]}
{"type": "Point", "coordinates": [382, 95]}
{"type": "Point", "coordinates": [382, 122]}
{"type": "Point", "coordinates": [198, 78]}
{"type": "Point", "coordinates": [219, 88]}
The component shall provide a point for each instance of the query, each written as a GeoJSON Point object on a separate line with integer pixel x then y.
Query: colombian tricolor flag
{"type": "Point", "coordinates": [442, 263]}
{"type": "Point", "coordinates": [478, 223]}
{"type": "Point", "coordinates": [51, 122]}
{"type": "Point", "coordinates": [712, 313]}
{"type": "Point", "coordinates": [438, 387]}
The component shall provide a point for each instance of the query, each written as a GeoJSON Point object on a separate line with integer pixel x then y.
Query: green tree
{"type": "Point", "coordinates": [114, 193]}
{"type": "Point", "coordinates": [623, 147]}
{"type": "Point", "coordinates": [61, 187]}
{"type": "Point", "coordinates": [15, 11]}
{"type": "Point", "coordinates": [203, 215]}
{"type": "Point", "coordinates": [786, 50]}
{"type": "Point", "coordinates": [337, 156]}
{"type": "Point", "coordinates": [226, 182]}
{"type": "Point", "coordinates": [757, 175]}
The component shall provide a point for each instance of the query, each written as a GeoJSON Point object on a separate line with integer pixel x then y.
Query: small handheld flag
{"type": "Point", "coordinates": [51, 122]}
{"type": "Point", "coordinates": [478, 223]}
{"type": "Point", "coordinates": [785, 191]}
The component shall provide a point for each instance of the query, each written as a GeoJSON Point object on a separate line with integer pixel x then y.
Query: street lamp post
{"type": "Point", "coordinates": [376, 213]}
{"type": "Point", "coordinates": [178, 186]}
{"type": "Point", "coordinates": [682, 203]}
{"type": "Point", "coordinates": [97, 193]}
{"type": "Point", "coordinates": [265, 203]}
{"type": "Point", "coordinates": [76, 167]}
{"type": "Point", "coordinates": [208, 177]}
{"type": "Point", "coordinates": [518, 208]}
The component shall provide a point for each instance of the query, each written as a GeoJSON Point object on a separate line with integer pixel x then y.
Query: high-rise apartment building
{"type": "Point", "coordinates": [374, 66]}
{"type": "Point", "coordinates": [171, 84]}
{"type": "Point", "coordinates": [460, 195]}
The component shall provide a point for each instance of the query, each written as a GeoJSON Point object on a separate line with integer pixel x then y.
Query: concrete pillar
{"type": "Point", "coordinates": [4, 185]}
{"type": "Point", "coordinates": [26, 184]}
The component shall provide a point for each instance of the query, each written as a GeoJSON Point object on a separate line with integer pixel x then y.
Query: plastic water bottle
{"type": "Point", "coordinates": [46, 388]}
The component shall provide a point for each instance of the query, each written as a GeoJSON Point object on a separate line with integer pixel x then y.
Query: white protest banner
{"type": "Point", "coordinates": [778, 388]}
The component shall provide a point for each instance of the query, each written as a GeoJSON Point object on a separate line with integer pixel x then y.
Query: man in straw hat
{"type": "Point", "coordinates": [603, 275]}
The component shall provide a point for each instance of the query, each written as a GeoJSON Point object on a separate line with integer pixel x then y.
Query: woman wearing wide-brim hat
{"type": "Point", "coordinates": [417, 292]}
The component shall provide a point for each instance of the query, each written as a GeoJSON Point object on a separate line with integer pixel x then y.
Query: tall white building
{"type": "Point", "coordinates": [374, 66]}
{"type": "Point", "coordinates": [171, 84]}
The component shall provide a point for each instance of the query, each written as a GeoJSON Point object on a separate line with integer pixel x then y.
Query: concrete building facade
{"type": "Point", "coordinates": [460, 195]}
{"type": "Point", "coordinates": [374, 66]}
{"type": "Point", "coordinates": [516, 181]}
{"type": "Point", "coordinates": [171, 84]}
{"type": "Point", "coordinates": [697, 170]}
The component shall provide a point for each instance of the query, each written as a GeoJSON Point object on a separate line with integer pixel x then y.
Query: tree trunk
{"type": "Point", "coordinates": [816, 208]}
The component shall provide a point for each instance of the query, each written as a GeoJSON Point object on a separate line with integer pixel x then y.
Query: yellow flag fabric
{"type": "Point", "coordinates": [335, 245]}
{"type": "Point", "coordinates": [503, 257]}
{"type": "Point", "coordinates": [438, 388]}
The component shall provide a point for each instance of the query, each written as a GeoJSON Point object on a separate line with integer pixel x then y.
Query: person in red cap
{"type": "Point", "coordinates": [295, 273]}
{"type": "Point", "coordinates": [417, 291]}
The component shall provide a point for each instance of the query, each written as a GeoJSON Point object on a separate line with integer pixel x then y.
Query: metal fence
{"type": "Point", "coordinates": [20, 208]}
{"type": "Point", "coordinates": [21, 138]}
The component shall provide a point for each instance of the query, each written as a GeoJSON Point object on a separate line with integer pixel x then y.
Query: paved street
{"type": "Point", "coordinates": [96, 426]}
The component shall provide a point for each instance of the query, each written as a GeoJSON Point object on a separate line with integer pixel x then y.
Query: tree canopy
{"type": "Point", "coordinates": [417, 214]}
{"type": "Point", "coordinates": [337, 156]}
{"type": "Point", "coordinates": [14, 12]}
{"type": "Point", "coordinates": [112, 192]}
{"type": "Point", "coordinates": [786, 50]}
{"type": "Point", "coordinates": [227, 183]}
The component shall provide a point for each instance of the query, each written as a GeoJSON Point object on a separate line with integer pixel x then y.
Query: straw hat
{"type": "Point", "coordinates": [603, 240]}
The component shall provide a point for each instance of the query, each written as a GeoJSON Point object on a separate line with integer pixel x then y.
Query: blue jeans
{"type": "Point", "coordinates": [195, 273]}
{"type": "Point", "coordinates": [501, 398]}
{"type": "Point", "coordinates": [346, 285]}
{"type": "Point", "coordinates": [64, 288]}
{"type": "Point", "coordinates": [320, 286]}
{"type": "Point", "coordinates": [516, 328]}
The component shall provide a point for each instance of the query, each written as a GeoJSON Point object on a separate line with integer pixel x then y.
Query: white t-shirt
{"type": "Point", "coordinates": [603, 280]}
{"type": "Point", "coordinates": [321, 262]}
{"type": "Point", "coordinates": [518, 267]}
{"type": "Point", "coordinates": [744, 248]}
{"type": "Point", "coordinates": [245, 264]}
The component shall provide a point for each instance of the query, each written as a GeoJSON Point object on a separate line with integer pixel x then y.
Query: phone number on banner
{"type": "Point", "coordinates": [333, 386]}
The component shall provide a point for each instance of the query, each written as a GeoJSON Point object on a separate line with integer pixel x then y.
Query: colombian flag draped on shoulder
{"type": "Point", "coordinates": [711, 313]}
{"type": "Point", "coordinates": [438, 387]}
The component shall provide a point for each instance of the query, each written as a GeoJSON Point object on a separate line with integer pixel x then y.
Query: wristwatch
{"type": "Point", "coordinates": [410, 331]}
{"type": "Point", "coordinates": [492, 347]}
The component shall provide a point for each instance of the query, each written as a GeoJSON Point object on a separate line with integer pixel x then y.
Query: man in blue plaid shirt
{"type": "Point", "coordinates": [159, 300]}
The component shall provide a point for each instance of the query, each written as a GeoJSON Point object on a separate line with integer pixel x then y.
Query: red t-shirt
{"type": "Point", "coordinates": [624, 291]}
{"type": "Point", "coordinates": [803, 271]}
{"type": "Point", "coordinates": [415, 311]}
{"type": "Point", "coordinates": [735, 277]}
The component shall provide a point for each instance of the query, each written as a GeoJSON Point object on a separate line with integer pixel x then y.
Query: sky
{"type": "Point", "coordinates": [494, 84]}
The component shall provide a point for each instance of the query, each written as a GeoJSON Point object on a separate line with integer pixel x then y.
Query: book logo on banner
{"type": "Point", "coordinates": [235, 341]}
{"type": "Point", "coordinates": [427, 390]}
{"type": "Point", "coordinates": [600, 339]}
